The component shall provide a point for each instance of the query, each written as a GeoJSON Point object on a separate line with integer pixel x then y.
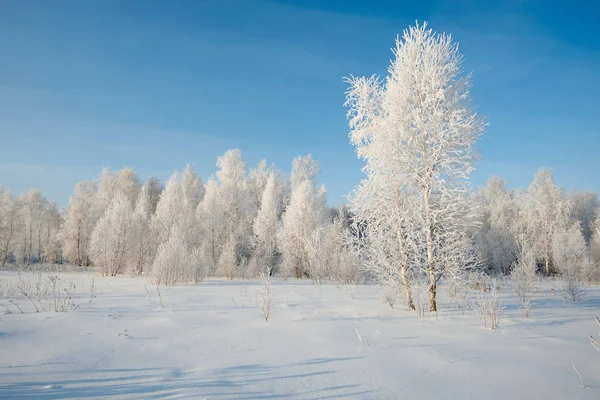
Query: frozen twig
{"type": "Point", "coordinates": [583, 385]}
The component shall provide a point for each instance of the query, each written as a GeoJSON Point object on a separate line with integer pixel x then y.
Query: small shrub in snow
{"type": "Point", "coordinates": [523, 279]}
{"type": "Point", "coordinates": [389, 292]}
{"type": "Point", "coordinates": [52, 294]}
{"type": "Point", "coordinates": [263, 294]}
{"type": "Point", "coordinates": [488, 307]}
{"type": "Point", "coordinates": [573, 289]}
{"type": "Point", "coordinates": [421, 297]}
{"type": "Point", "coordinates": [458, 291]}
{"type": "Point", "coordinates": [478, 281]}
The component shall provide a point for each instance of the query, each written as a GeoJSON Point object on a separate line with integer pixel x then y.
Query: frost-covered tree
{"type": "Point", "coordinates": [50, 233]}
{"type": "Point", "coordinates": [233, 191]}
{"type": "Point", "coordinates": [256, 183]}
{"type": "Point", "coordinates": [266, 224]}
{"type": "Point", "coordinates": [522, 276]}
{"type": "Point", "coordinates": [387, 232]}
{"type": "Point", "coordinates": [153, 189]}
{"type": "Point", "coordinates": [31, 205]}
{"type": "Point", "coordinates": [142, 246]}
{"type": "Point", "coordinates": [112, 238]}
{"type": "Point", "coordinates": [177, 208]}
{"type": "Point", "coordinates": [228, 259]}
{"type": "Point", "coordinates": [211, 225]}
{"type": "Point", "coordinates": [497, 237]}
{"type": "Point", "coordinates": [168, 210]}
{"type": "Point", "coordinates": [38, 228]}
{"type": "Point", "coordinates": [419, 128]}
{"type": "Point", "coordinates": [584, 209]}
{"type": "Point", "coordinates": [123, 182]}
{"type": "Point", "coordinates": [175, 262]}
{"type": "Point", "coordinates": [232, 181]}
{"type": "Point", "coordinates": [570, 256]}
{"type": "Point", "coordinates": [78, 224]}
{"type": "Point", "coordinates": [192, 189]}
{"type": "Point", "coordinates": [593, 269]}
{"type": "Point", "coordinates": [333, 254]}
{"type": "Point", "coordinates": [9, 220]}
{"type": "Point", "coordinates": [304, 169]}
{"type": "Point", "coordinates": [305, 215]}
{"type": "Point", "coordinates": [545, 211]}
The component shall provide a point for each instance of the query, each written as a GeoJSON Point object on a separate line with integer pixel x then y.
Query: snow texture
{"type": "Point", "coordinates": [210, 341]}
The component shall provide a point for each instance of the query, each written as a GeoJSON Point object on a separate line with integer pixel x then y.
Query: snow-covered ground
{"type": "Point", "coordinates": [210, 341]}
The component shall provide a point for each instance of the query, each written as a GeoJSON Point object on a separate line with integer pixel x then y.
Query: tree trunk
{"type": "Point", "coordinates": [404, 272]}
{"type": "Point", "coordinates": [430, 261]}
{"type": "Point", "coordinates": [79, 260]}
{"type": "Point", "coordinates": [432, 291]}
{"type": "Point", "coordinates": [406, 282]}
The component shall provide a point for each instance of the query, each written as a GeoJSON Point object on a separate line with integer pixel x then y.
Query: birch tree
{"type": "Point", "coordinates": [584, 209]}
{"type": "Point", "coordinates": [168, 210]}
{"type": "Point", "coordinates": [210, 215]}
{"type": "Point", "coordinates": [593, 271]}
{"type": "Point", "coordinates": [419, 128]}
{"type": "Point", "coordinates": [153, 190]}
{"type": "Point", "coordinates": [545, 212]}
{"type": "Point", "coordinates": [266, 224]}
{"type": "Point", "coordinates": [305, 215]}
{"type": "Point", "coordinates": [142, 250]}
{"type": "Point", "coordinates": [111, 241]}
{"type": "Point", "coordinates": [570, 256]}
{"type": "Point", "coordinates": [238, 218]}
{"type": "Point", "coordinates": [498, 239]}
{"type": "Point", "coordinates": [79, 223]}
{"type": "Point", "coordinates": [9, 220]}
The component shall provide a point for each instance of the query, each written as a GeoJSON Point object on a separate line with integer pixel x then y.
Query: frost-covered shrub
{"type": "Point", "coordinates": [389, 292]}
{"type": "Point", "coordinates": [263, 294]}
{"type": "Point", "coordinates": [458, 292]}
{"type": "Point", "coordinates": [44, 293]}
{"type": "Point", "coordinates": [523, 278]}
{"type": "Point", "coordinates": [487, 305]}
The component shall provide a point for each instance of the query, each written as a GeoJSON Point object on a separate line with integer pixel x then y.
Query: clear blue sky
{"type": "Point", "coordinates": [156, 84]}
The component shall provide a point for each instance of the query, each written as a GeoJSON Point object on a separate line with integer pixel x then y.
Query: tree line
{"type": "Point", "coordinates": [414, 219]}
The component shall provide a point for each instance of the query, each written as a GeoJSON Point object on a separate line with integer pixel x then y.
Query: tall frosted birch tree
{"type": "Point", "coordinates": [417, 132]}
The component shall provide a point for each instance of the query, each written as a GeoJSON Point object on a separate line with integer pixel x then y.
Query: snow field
{"type": "Point", "coordinates": [210, 341]}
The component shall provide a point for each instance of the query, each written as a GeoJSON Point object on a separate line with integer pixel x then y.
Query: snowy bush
{"type": "Point", "coordinates": [487, 305]}
{"type": "Point", "coordinates": [389, 292]}
{"type": "Point", "coordinates": [44, 293]}
{"type": "Point", "coordinates": [458, 292]}
{"type": "Point", "coordinates": [478, 281]}
{"type": "Point", "coordinates": [263, 295]}
{"type": "Point", "coordinates": [420, 290]}
{"type": "Point", "coordinates": [523, 278]}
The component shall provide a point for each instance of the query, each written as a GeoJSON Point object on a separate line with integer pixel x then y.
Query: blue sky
{"type": "Point", "coordinates": [154, 85]}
